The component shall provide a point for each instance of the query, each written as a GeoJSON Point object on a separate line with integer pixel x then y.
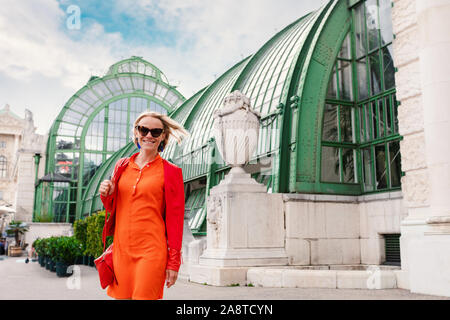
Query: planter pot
{"type": "Point", "coordinates": [52, 267]}
{"type": "Point", "coordinates": [44, 261]}
{"type": "Point", "coordinates": [15, 251]}
{"type": "Point", "coordinates": [41, 260]}
{"type": "Point", "coordinates": [61, 270]}
{"type": "Point", "coordinates": [79, 260]}
{"type": "Point", "coordinates": [48, 261]}
{"type": "Point", "coordinates": [91, 261]}
{"type": "Point", "coordinates": [86, 260]}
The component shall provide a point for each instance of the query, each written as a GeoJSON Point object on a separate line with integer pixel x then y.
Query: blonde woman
{"type": "Point", "coordinates": [145, 197]}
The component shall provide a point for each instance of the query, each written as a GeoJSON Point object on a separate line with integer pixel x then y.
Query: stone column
{"type": "Point", "coordinates": [433, 18]}
{"type": "Point", "coordinates": [421, 49]}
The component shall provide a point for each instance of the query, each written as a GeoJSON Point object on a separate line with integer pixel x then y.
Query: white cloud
{"type": "Point", "coordinates": [211, 36]}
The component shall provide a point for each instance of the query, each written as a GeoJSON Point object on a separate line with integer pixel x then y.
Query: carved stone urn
{"type": "Point", "coordinates": [236, 129]}
{"type": "Point", "coordinates": [245, 224]}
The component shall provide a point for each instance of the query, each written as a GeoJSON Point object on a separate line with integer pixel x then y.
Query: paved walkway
{"type": "Point", "coordinates": [29, 281]}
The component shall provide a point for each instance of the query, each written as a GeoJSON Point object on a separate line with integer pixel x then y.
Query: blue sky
{"type": "Point", "coordinates": [192, 41]}
{"type": "Point", "coordinates": [138, 30]}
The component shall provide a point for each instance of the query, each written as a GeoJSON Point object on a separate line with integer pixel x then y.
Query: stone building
{"type": "Point", "coordinates": [19, 145]}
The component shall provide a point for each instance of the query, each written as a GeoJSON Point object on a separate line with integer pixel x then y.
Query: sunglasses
{"type": "Point", "coordinates": [156, 132]}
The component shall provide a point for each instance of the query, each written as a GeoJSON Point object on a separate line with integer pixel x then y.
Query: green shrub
{"type": "Point", "coordinates": [44, 247]}
{"type": "Point", "coordinates": [80, 232]}
{"type": "Point", "coordinates": [52, 244]}
{"type": "Point", "coordinates": [67, 249]}
{"type": "Point", "coordinates": [37, 246]}
{"type": "Point", "coordinates": [94, 234]}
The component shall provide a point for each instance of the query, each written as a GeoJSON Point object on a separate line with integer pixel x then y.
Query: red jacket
{"type": "Point", "coordinates": [173, 208]}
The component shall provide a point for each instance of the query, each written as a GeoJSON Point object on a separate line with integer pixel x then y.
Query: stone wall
{"type": "Point", "coordinates": [333, 230]}
{"type": "Point", "coordinates": [339, 230]}
{"type": "Point", "coordinates": [45, 230]}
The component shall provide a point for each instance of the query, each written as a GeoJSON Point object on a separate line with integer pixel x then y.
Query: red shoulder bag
{"type": "Point", "coordinates": [105, 268]}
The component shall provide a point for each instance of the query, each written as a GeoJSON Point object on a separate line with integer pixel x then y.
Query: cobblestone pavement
{"type": "Point", "coordinates": [29, 281]}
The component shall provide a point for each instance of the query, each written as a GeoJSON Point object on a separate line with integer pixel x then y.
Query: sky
{"type": "Point", "coordinates": [50, 48]}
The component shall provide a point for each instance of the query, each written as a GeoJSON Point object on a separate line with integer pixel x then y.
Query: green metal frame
{"type": "Point", "coordinates": [294, 120]}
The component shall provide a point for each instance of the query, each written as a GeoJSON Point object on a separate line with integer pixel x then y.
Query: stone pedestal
{"type": "Point", "coordinates": [245, 228]}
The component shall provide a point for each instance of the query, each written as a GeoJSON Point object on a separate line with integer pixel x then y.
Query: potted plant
{"type": "Point", "coordinates": [91, 238]}
{"type": "Point", "coordinates": [37, 247]}
{"type": "Point", "coordinates": [67, 249]}
{"type": "Point", "coordinates": [80, 233]}
{"type": "Point", "coordinates": [16, 228]}
{"type": "Point", "coordinates": [51, 249]}
{"type": "Point", "coordinates": [43, 248]}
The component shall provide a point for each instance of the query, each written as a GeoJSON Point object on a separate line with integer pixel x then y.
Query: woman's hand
{"type": "Point", "coordinates": [106, 188]}
{"type": "Point", "coordinates": [171, 277]}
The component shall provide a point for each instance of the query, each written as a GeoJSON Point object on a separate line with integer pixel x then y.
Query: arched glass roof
{"type": "Point", "coordinates": [137, 65]}
{"type": "Point", "coordinates": [262, 77]}
{"type": "Point", "coordinates": [97, 120]}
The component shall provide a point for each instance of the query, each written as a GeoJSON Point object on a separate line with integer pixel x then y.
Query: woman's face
{"type": "Point", "coordinates": [148, 142]}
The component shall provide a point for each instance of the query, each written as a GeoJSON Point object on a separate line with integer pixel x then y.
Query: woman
{"type": "Point", "coordinates": [145, 197]}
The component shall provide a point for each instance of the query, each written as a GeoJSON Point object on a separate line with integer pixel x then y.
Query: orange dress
{"type": "Point", "coordinates": [140, 244]}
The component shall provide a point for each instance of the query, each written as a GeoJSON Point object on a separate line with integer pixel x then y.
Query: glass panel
{"type": "Point", "coordinates": [94, 136]}
{"type": "Point", "coordinates": [64, 163]}
{"type": "Point", "coordinates": [345, 80]}
{"type": "Point", "coordinates": [332, 85]}
{"type": "Point", "coordinates": [388, 68]}
{"type": "Point", "coordinates": [368, 121]}
{"type": "Point", "coordinates": [330, 164]}
{"type": "Point", "coordinates": [71, 116]}
{"type": "Point", "coordinates": [91, 163]}
{"type": "Point", "coordinates": [63, 143]}
{"type": "Point", "coordinates": [345, 51]}
{"type": "Point", "coordinates": [381, 118]}
{"type": "Point", "coordinates": [389, 125]}
{"type": "Point", "coordinates": [346, 124]}
{"type": "Point", "coordinates": [360, 36]}
{"type": "Point", "coordinates": [330, 129]}
{"type": "Point", "coordinates": [138, 83]}
{"type": "Point", "coordinates": [375, 77]}
{"type": "Point", "coordinates": [374, 124]}
{"type": "Point", "coordinates": [362, 79]}
{"type": "Point", "coordinates": [361, 124]}
{"type": "Point", "coordinates": [395, 163]}
{"type": "Point", "coordinates": [372, 24]}
{"type": "Point", "coordinates": [380, 162]}
{"type": "Point", "coordinates": [348, 165]}
{"type": "Point", "coordinates": [367, 168]}
{"type": "Point", "coordinates": [386, 21]}
{"type": "Point", "coordinates": [113, 85]}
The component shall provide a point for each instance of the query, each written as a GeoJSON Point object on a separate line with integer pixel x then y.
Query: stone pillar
{"type": "Point", "coordinates": [434, 45]}
{"type": "Point", "coordinates": [245, 224]}
{"type": "Point", "coordinates": [423, 87]}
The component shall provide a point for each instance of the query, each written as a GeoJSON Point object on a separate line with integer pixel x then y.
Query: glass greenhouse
{"type": "Point", "coordinates": [325, 88]}
{"type": "Point", "coordinates": [94, 124]}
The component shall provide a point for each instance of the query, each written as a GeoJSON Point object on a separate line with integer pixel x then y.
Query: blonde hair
{"type": "Point", "coordinates": [171, 127]}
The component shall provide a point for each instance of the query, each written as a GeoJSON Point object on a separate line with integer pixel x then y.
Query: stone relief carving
{"type": "Point", "coordinates": [214, 218]}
